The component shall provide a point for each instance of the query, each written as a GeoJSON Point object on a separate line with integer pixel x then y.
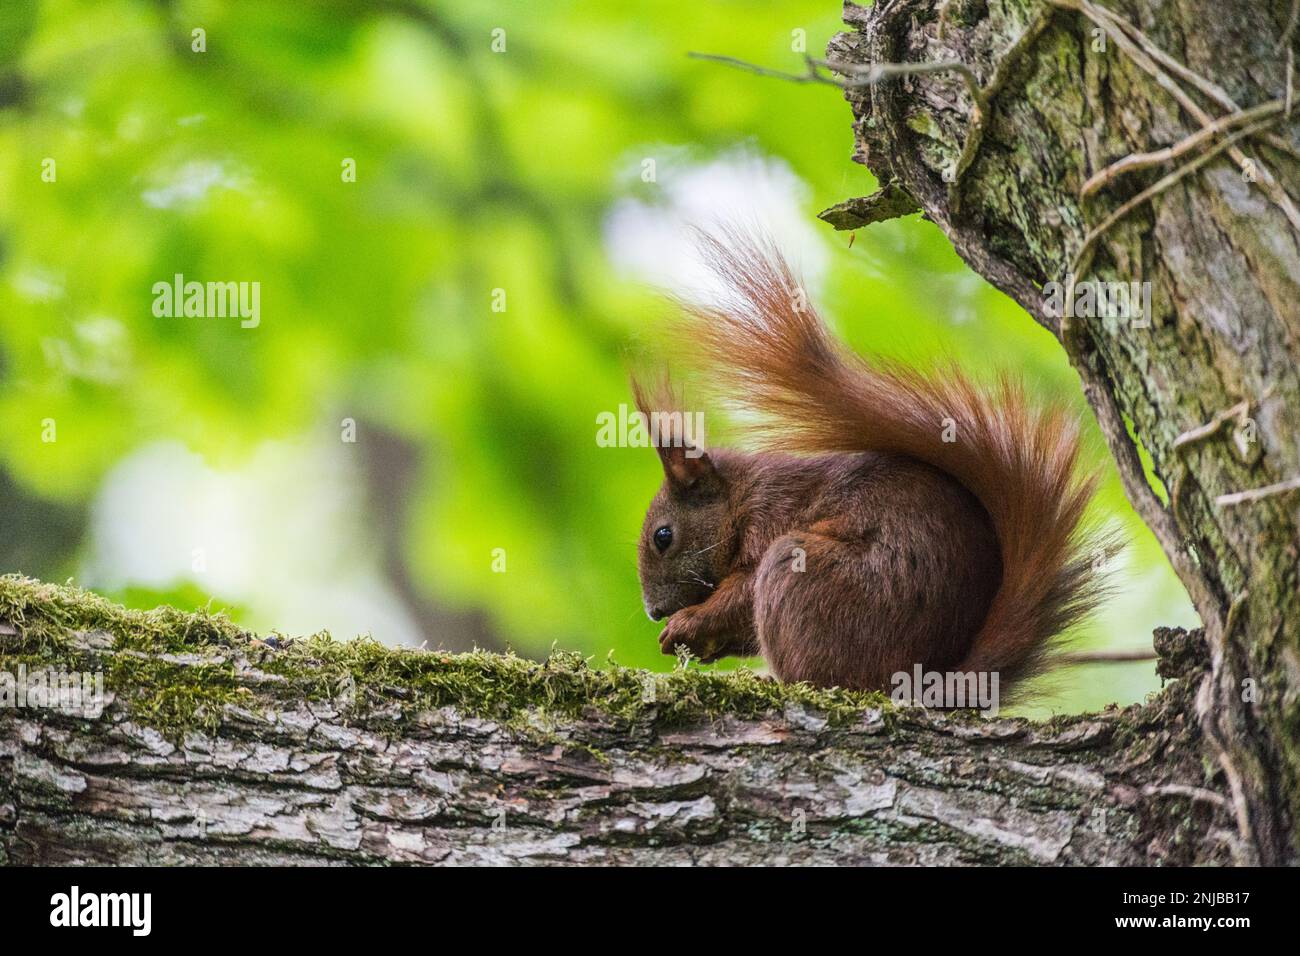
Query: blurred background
{"type": "Point", "coordinates": [461, 215]}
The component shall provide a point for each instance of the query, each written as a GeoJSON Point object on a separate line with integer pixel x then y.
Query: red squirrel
{"type": "Point", "coordinates": [889, 518]}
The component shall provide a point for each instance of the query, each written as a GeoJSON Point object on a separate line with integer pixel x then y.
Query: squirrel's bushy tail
{"type": "Point", "coordinates": [768, 351]}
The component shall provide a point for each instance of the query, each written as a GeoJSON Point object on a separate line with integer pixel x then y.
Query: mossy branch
{"type": "Point", "coordinates": [215, 745]}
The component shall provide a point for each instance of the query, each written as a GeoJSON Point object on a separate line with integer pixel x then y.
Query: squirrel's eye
{"type": "Point", "coordinates": [663, 538]}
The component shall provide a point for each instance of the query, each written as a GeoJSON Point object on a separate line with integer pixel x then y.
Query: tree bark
{"type": "Point", "coordinates": [997, 154]}
{"type": "Point", "coordinates": [214, 748]}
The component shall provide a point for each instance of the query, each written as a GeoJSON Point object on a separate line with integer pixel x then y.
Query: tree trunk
{"type": "Point", "coordinates": [213, 747]}
{"type": "Point", "coordinates": [997, 153]}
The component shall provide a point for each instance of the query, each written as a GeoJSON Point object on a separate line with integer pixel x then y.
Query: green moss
{"type": "Point", "coordinates": [174, 698]}
{"type": "Point", "coordinates": [48, 614]}
{"type": "Point", "coordinates": [177, 695]}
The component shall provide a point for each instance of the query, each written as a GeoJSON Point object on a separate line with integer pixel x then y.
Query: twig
{"type": "Point", "coordinates": [1211, 89]}
{"type": "Point", "coordinates": [1137, 161]}
{"type": "Point", "coordinates": [1207, 86]}
{"type": "Point", "coordinates": [1285, 39]}
{"type": "Point", "coordinates": [1202, 432]}
{"type": "Point", "coordinates": [1191, 437]}
{"type": "Point", "coordinates": [1240, 805]}
{"type": "Point", "coordinates": [1191, 793]}
{"type": "Point", "coordinates": [1103, 657]}
{"type": "Point", "coordinates": [1234, 611]}
{"type": "Point", "coordinates": [1159, 187]}
{"type": "Point", "coordinates": [1256, 494]}
{"type": "Point", "coordinates": [1275, 192]}
{"type": "Point", "coordinates": [1290, 77]}
{"type": "Point", "coordinates": [811, 76]}
{"type": "Point", "coordinates": [866, 74]}
{"type": "Point", "coordinates": [873, 73]}
{"type": "Point", "coordinates": [1119, 29]}
{"type": "Point", "coordinates": [975, 134]}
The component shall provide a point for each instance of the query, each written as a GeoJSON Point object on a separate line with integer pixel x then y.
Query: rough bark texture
{"type": "Point", "coordinates": [1065, 90]}
{"type": "Point", "coordinates": [215, 748]}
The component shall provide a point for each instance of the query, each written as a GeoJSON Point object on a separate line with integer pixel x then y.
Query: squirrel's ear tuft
{"type": "Point", "coordinates": [686, 465]}
{"type": "Point", "coordinates": [655, 394]}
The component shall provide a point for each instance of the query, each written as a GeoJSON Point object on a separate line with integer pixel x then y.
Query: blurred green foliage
{"type": "Point", "coordinates": [476, 170]}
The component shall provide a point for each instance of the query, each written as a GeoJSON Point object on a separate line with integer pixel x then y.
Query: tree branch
{"type": "Point", "coordinates": [215, 749]}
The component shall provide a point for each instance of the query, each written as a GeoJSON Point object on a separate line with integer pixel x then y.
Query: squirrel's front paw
{"type": "Point", "coordinates": [684, 630]}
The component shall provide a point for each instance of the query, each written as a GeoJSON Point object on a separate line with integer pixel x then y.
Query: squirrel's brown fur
{"type": "Point", "coordinates": [859, 543]}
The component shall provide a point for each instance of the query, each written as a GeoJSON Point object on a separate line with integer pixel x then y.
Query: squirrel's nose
{"type": "Point", "coordinates": [654, 613]}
